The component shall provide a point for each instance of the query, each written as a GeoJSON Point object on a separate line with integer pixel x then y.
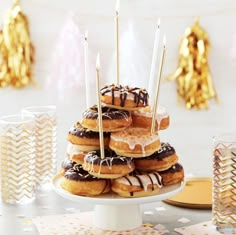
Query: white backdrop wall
{"type": "Point", "coordinates": [190, 131]}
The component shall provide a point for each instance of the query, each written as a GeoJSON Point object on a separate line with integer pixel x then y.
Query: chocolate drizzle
{"type": "Point", "coordinates": [78, 130]}
{"type": "Point", "coordinates": [138, 175]}
{"type": "Point", "coordinates": [165, 151]}
{"type": "Point", "coordinates": [175, 168]}
{"type": "Point", "coordinates": [107, 113]}
{"type": "Point", "coordinates": [77, 173]}
{"type": "Point", "coordinates": [151, 181]}
{"type": "Point", "coordinates": [140, 96]}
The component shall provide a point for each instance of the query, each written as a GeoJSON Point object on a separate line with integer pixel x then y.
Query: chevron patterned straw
{"type": "Point", "coordinates": [17, 149]}
{"type": "Point", "coordinates": [46, 127]}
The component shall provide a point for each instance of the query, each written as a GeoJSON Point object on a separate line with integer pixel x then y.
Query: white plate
{"type": "Point", "coordinates": [114, 199]}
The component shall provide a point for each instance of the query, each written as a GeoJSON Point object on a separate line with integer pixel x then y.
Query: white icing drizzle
{"type": "Point", "coordinates": [89, 165]}
{"type": "Point", "coordinates": [147, 112]}
{"type": "Point", "coordinates": [135, 136]}
{"type": "Point", "coordinates": [144, 178]}
{"type": "Point", "coordinates": [71, 150]}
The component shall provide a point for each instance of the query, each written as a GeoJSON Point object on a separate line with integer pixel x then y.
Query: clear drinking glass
{"type": "Point", "coordinates": [46, 128]}
{"type": "Point", "coordinates": [17, 150]}
{"type": "Point", "coordinates": [224, 183]}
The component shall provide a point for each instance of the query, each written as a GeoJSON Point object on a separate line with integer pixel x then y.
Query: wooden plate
{"type": "Point", "coordinates": [197, 194]}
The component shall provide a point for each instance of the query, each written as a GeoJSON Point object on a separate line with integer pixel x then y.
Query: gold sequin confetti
{"type": "Point", "coordinates": [194, 82]}
{"type": "Point", "coordinates": [148, 225]}
{"type": "Point", "coordinates": [16, 49]}
{"type": "Point", "coordinates": [28, 222]}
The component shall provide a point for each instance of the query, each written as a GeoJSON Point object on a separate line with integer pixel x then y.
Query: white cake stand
{"type": "Point", "coordinates": [112, 212]}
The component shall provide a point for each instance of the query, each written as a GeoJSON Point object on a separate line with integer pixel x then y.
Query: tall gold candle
{"type": "Point", "coordinates": [154, 109]}
{"type": "Point", "coordinates": [99, 108]}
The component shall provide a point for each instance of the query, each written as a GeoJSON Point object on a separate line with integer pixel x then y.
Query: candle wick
{"type": "Point", "coordinates": [86, 35]}
{"type": "Point", "coordinates": [158, 23]}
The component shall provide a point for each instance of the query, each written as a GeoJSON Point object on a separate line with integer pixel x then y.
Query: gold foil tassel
{"type": "Point", "coordinates": [16, 49]}
{"type": "Point", "coordinates": [194, 82]}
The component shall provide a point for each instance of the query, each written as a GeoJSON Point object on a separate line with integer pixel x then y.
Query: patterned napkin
{"type": "Point", "coordinates": [205, 228]}
{"type": "Point", "coordinates": [81, 224]}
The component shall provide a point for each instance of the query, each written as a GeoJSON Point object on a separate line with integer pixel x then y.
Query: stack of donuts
{"type": "Point", "coordinates": [135, 162]}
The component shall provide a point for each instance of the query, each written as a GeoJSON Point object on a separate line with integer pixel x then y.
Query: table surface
{"type": "Point", "coordinates": [16, 219]}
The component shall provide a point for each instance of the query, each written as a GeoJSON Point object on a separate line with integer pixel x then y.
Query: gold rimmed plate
{"type": "Point", "coordinates": [197, 194]}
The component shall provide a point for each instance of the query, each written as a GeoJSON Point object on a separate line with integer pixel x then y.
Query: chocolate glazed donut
{"type": "Point", "coordinates": [78, 181]}
{"type": "Point", "coordinates": [112, 166]}
{"type": "Point", "coordinates": [124, 96]}
{"type": "Point", "coordinates": [84, 139]}
{"type": "Point", "coordinates": [77, 173]}
{"type": "Point", "coordinates": [107, 113]}
{"type": "Point", "coordinates": [112, 119]}
{"type": "Point", "coordinates": [78, 130]}
{"type": "Point", "coordinates": [173, 175]}
{"type": "Point", "coordinates": [160, 160]}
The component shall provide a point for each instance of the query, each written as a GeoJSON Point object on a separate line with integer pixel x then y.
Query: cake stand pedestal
{"type": "Point", "coordinates": [114, 217]}
{"type": "Point", "coordinates": [112, 212]}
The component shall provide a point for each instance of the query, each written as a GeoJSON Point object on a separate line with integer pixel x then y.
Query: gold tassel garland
{"type": "Point", "coordinates": [194, 82]}
{"type": "Point", "coordinates": [16, 49]}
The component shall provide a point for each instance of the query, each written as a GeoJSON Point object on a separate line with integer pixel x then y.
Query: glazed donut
{"type": "Point", "coordinates": [112, 119]}
{"type": "Point", "coordinates": [137, 184]}
{"type": "Point", "coordinates": [161, 160]}
{"type": "Point", "coordinates": [66, 165]}
{"type": "Point", "coordinates": [74, 154]}
{"type": "Point", "coordinates": [84, 139]}
{"type": "Point", "coordinates": [143, 118]}
{"type": "Point", "coordinates": [173, 175]}
{"type": "Point", "coordinates": [124, 97]}
{"type": "Point", "coordinates": [134, 142]}
{"type": "Point", "coordinates": [112, 166]}
{"type": "Point", "coordinates": [78, 181]}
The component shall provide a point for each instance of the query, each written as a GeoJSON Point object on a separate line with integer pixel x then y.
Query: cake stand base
{"type": "Point", "coordinates": [117, 217]}
{"type": "Point", "coordinates": [112, 212]}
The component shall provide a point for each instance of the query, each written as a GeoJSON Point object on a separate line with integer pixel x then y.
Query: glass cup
{"type": "Point", "coordinates": [224, 183]}
{"type": "Point", "coordinates": [17, 150]}
{"type": "Point", "coordinates": [46, 127]}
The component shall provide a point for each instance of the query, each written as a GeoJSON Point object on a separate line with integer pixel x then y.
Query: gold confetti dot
{"type": "Point", "coordinates": [148, 225]}
{"type": "Point", "coordinates": [27, 222]}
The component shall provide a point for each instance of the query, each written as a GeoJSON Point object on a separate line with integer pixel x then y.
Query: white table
{"type": "Point", "coordinates": [14, 219]}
